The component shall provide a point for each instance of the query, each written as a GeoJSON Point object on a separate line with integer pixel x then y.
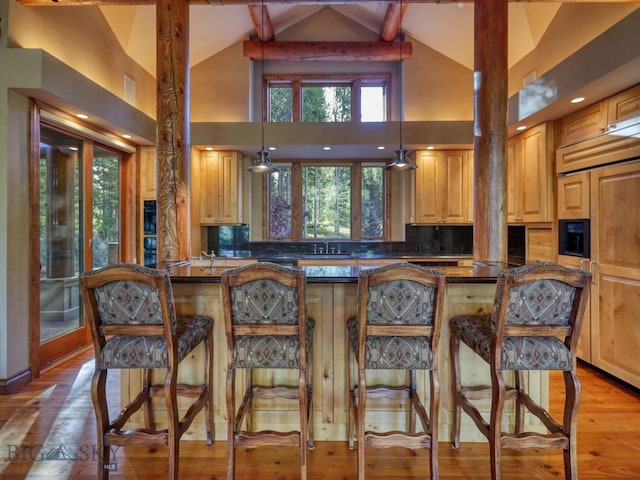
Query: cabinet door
{"type": "Point", "coordinates": [536, 175]}
{"type": "Point", "coordinates": [615, 252]}
{"type": "Point", "coordinates": [428, 196]}
{"type": "Point", "coordinates": [442, 187]}
{"type": "Point", "coordinates": [584, 123]}
{"type": "Point", "coordinates": [573, 196]}
{"type": "Point", "coordinates": [454, 189]}
{"type": "Point", "coordinates": [219, 189]}
{"type": "Point", "coordinates": [147, 175]}
{"type": "Point", "coordinates": [529, 175]}
{"type": "Point", "coordinates": [584, 343]}
{"type": "Point", "coordinates": [624, 106]}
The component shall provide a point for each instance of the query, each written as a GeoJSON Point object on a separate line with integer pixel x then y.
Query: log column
{"type": "Point", "coordinates": [490, 131]}
{"type": "Point", "coordinates": [173, 142]}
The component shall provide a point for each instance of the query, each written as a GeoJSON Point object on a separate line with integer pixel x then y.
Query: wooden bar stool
{"type": "Point", "coordinates": [267, 328]}
{"type": "Point", "coordinates": [397, 328]}
{"type": "Point", "coordinates": [132, 317]}
{"type": "Point", "coordinates": [535, 325]}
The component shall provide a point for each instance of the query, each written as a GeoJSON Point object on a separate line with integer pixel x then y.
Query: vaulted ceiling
{"type": "Point", "coordinates": [447, 27]}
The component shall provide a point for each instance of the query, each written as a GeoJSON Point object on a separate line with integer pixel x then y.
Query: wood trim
{"type": "Point", "coordinates": [16, 382]}
{"type": "Point", "coordinates": [48, 3]}
{"type": "Point", "coordinates": [34, 228]}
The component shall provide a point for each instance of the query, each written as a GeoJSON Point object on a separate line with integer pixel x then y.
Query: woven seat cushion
{"type": "Point", "coordinates": [392, 352]}
{"type": "Point", "coordinates": [271, 351]}
{"type": "Point", "coordinates": [518, 353]}
{"type": "Point", "coordinates": [151, 351]}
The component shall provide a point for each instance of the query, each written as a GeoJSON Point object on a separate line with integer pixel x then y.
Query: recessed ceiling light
{"type": "Point", "coordinates": [208, 148]}
{"type": "Point", "coordinates": [521, 127]}
{"type": "Point", "coordinates": [381, 147]}
{"type": "Point", "coordinates": [577, 100]}
{"type": "Point", "coordinates": [431, 147]}
{"type": "Point", "coordinates": [273, 149]}
{"type": "Point", "coordinates": [126, 135]}
{"type": "Point", "coordinates": [82, 116]}
{"type": "Point", "coordinates": [326, 148]}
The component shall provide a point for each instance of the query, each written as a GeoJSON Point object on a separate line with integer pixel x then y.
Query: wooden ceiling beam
{"type": "Point", "coordinates": [328, 51]}
{"type": "Point", "coordinates": [262, 22]}
{"type": "Point", "coordinates": [49, 3]}
{"type": "Point", "coordinates": [392, 21]}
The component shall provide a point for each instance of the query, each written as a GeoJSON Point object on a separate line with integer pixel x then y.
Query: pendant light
{"type": "Point", "coordinates": [262, 162]}
{"type": "Point", "coordinates": [401, 160]}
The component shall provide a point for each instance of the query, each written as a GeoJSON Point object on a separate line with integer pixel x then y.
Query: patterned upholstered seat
{"type": "Point", "coordinates": [397, 327]}
{"type": "Point", "coordinates": [134, 325]}
{"type": "Point", "coordinates": [535, 325]}
{"type": "Point", "coordinates": [267, 327]}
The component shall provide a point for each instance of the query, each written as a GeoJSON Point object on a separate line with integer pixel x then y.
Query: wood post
{"type": "Point", "coordinates": [490, 131]}
{"type": "Point", "coordinates": [173, 142]}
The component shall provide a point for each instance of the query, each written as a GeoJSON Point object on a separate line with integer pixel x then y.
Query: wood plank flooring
{"type": "Point", "coordinates": [47, 431]}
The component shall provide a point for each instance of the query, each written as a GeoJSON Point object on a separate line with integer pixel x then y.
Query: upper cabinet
{"type": "Point", "coordinates": [220, 188]}
{"type": "Point", "coordinates": [529, 175]}
{"type": "Point", "coordinates": [443, 187]}
{"type": "Point", "coordinates": [147, 175]}
{"type": "Point", "coordinates": [600, 117]}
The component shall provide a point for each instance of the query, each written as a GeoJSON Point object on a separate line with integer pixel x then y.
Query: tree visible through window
{"type": "Point", "coordinates": [299, 98]}
{"type": "Point", "coordinates": [326, 204]}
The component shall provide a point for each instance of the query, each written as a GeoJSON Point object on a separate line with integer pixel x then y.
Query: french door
{"type": "Point", "coordinates": [79, 228]}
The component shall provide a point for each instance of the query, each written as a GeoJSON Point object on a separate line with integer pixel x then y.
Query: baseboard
{"type": "Point", "coordinates": [15, 383]}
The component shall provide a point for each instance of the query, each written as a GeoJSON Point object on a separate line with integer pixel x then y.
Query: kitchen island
{"type": "Point", "coordinates": [331, 299]}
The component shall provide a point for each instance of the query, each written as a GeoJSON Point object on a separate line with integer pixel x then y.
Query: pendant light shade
{"type": "Point", "coordinates": [262, 163]}
{"type": "Point", "coordinates": [401, 161]}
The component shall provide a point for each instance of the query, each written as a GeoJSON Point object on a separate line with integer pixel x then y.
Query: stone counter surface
{"type": "Point", "coordinates": [477, 273]}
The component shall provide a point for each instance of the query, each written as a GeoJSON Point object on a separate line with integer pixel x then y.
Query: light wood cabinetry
{"type": "Point", "coordinates": [220, 188]}
{"type": "Point", "coordinates": [573, 196]}
{"type": "Point", "coordinates": [584, 123]}
{"type": "Point", "coordinates": [623, 106]}
{"type": "Point", "coordinates": [443, 190]}
{"type": "Point", "coordinates": [539, 244]}
{"type": "Point", "coordinates": [615, 257]}
{"type": "Point", "coordinates": [147, 173]}
{"type": "Point", "coordinates": [584, 343]}
{"type": "Point", "coordinates": [600, 117]}
{"type": "Point", "coordinates": [529, 175]}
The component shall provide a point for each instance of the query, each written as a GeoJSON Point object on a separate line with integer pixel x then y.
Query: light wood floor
{"type": "Point", "coordinates": [47, 431]}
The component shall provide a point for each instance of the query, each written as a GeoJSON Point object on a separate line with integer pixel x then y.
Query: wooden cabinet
{"type": "Point", "coordinates": [623, 106]}
{"type": "Point", "coordinates": [442, 187]}
{"type": "Point", "coordinates": [584, 343]}
{"type": "Point", "coordinates": [573, 196]}
{"type": "Point", "coordinates": [584, 123]}
{"type": "Point", "coordinates": [220, 188]}
{"type": "Point", "coordinates": [600, 117]}
{"type": "Point", "coordinates": [147, 173]}
{"type": "Point", "coordinates": [539, 246]}
{"type": "Point", "coordinates": [615, 259]}
{"type": "Point", "coordinates": [529, 175]}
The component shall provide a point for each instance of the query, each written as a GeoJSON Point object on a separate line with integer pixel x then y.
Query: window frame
{"type": "Point", "coordinates": [356, 198]}
{"type": "Point", "coordinates": [355, 80]}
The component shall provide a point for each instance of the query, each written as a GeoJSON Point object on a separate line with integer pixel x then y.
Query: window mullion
{"type": "Point", "coordinates": [296, 204]}
{"type": "Point", "coordinates": [296, 85]}
{"type": "Point", "coordinates": [356, 201]}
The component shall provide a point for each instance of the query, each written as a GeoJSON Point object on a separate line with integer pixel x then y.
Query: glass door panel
{"type": "Point", "coordinates": [60, 226]}
{"type": "Point", "coordinates": [105, 189]}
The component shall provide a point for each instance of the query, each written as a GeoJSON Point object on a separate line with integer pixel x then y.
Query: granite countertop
{"type": "Point", "coordinates": [185, 273]}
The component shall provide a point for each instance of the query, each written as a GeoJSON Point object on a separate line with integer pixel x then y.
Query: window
{"type": "Point", "coordinates": [334, 201]}
{"type": "Point", "coordinates": [334, 99]}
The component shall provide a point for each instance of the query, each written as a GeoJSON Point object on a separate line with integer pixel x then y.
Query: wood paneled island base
{"type": "Point", "coordinates": [331, 299]}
